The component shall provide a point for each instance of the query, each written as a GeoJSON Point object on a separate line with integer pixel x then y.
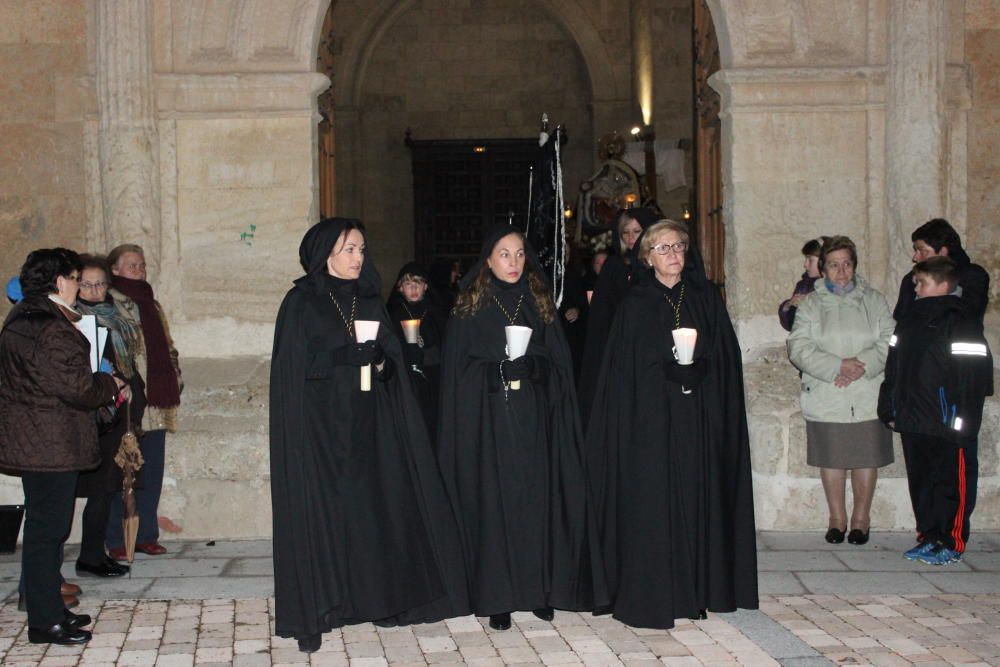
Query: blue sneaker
{"type": "Point", "coordinates": [916, 552]}
{"type": "Point", "coordinates": [940, 555]}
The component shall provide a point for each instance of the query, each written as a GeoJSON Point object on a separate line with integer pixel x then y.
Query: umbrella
{"type": "Point", "coordinates": [129, 459]}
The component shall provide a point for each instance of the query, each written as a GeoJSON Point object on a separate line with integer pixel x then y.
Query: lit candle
{"type": "Point", "coordinates": [411, 330]}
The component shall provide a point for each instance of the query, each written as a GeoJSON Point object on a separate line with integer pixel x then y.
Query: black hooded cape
{"type": "Point", "coordinates": [670, 471]}
{"type": "Point", "coordinates": [609, 292]}
{"type": "Point", "coordinates": [423, 363]}
{"type": "Point", "coordinates": [513, 460]}
{"type": "Point", "coordinates": [363, 529]}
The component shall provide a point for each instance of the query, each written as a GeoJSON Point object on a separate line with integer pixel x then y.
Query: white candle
{"type": "Point", "coordinates": [411, 330]}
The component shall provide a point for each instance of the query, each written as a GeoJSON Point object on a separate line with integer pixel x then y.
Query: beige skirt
{"type": "Point", "coordinates": [848, 446]}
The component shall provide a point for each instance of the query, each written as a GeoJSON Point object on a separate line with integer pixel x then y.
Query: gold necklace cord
{"type": "Point", "coordinates": [517, 311]}
{"type": "Point", "coordinates": [354, 311]}
{"type": "Point", "coordinates": [676, 307]}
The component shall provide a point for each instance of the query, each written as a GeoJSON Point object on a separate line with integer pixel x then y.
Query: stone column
{"type": "Point", "coordinates": [128, 142]}
{"type": "Point", "coordinates": [916, 142]}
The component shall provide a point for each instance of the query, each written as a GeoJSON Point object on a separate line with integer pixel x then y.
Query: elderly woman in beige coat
{"type": "Point", "coordinates": [840, 340]}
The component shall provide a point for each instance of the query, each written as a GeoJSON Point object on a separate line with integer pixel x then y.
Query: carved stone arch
{"type": "Point", "coordinates": [721, 20]}
{"type": "Point", "coordinates": [236, 36]}
{"type": "Point", "coordinates": [361, 44]}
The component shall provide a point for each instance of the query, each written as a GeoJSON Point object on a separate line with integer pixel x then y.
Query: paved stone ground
{"type": "Point", "coordinates": [820, 604]}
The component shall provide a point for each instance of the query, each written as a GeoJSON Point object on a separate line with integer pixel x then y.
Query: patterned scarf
{"type": "Point", "coordinates": [125, 336]}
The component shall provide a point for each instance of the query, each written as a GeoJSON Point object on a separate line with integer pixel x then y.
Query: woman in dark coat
{"type": "Point", "coordinates": [415, 299]}
{"type": "Point", "coordinates": [363, 530]}
{"type": "Point", "coordinates": [612, 282]}
{"type": "Point", "coordinates": [512, 458]}
{"type": "Point", "coordinates": [667, 447]}
{"type": "Point", "coordinates": [48, 433]}
{"type": "Point", "coordinates": [102, 485]}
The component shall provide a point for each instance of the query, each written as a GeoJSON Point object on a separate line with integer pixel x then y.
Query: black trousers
{"type": "Point", "coordinates": [943, 481]}
{"type": "Point", "coordinates": [48, 513]}
{"type": "Point", "coordinates": [94, 525]}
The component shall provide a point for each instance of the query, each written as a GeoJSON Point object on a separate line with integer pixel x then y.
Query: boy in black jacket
{"type": "Point", "coordinates": [937, 376]}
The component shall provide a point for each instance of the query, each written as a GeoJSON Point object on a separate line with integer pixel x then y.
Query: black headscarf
{"type": "Point", "coordinates": [320, 241]}
{"type": "Point", "coordinates": [491, 237]}
{"type": "Point", "coordinates": [646, 216]}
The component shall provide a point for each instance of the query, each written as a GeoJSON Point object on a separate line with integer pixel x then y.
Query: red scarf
{"type": "Point", "coordinates": [161, 378]}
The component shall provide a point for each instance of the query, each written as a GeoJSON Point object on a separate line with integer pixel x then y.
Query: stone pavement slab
{"type": "Point", "coordinates": [210, 603]}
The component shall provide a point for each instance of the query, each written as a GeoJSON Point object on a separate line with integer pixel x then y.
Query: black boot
{"type": "Point", "coordinates": [603, 610]}
{"type": "Point", "coordinates": [310, 644]}
{"type": "Point", "coordinates": [500, 621]}
{"type": "Point", "coordinates": [545, 613]}
{"type": "Point", "coordinates": [700, 616]}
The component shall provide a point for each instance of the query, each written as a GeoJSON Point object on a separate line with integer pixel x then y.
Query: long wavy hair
{"type": "Point", "coordinates": [470, 301]}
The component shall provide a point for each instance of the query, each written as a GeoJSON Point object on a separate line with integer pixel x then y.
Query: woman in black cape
{"type": "Point", "coordinates": [414, 298]}
{"type": "Point", "coordinates": [363, 530]}
{"type": "Point", "coordinates": [671, 470]}
{"type": "Point", "coordinates": [512, 458]}
{"type": "Point", "coordinates": [612, 283]}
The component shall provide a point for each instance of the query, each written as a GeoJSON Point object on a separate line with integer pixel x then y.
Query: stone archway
{"type": "Point", "coordinates": [609, 85]}
{"type": "Point", "coordinates": [822, 106]}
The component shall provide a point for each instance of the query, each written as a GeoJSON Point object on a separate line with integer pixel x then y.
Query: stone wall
{"type": "Point", "coordinates": [45, 94]}
{"type": "Point", "coordinates": [982, 50]}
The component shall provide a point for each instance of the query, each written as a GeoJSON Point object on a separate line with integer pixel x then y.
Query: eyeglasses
{"type": "Point", "coordinates": [663, 248]}
{"type": "Point", "coordinates": [99, 285]}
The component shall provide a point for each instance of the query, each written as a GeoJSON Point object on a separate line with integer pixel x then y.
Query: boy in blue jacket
{"type": "Point", "coordinates": [937, 377]}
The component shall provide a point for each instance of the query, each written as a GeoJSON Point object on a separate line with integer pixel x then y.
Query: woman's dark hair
{"type": "Point", "coordinates": [835, 243]}
{"type": "Point", "coordinates": [938, 233]}
{"type": "Point", "coordinates": [42, 267]}
{"type": "Point", "coordinates": [95, 262]}
{"type": "Point", "coordinates": [471, 300]}
{"type": "Point", "coordinates": [814, 247]}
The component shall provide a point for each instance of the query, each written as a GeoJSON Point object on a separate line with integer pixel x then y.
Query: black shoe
{"type": "Point", "coordinates": [106, 568]}
{"type": "Point", "coordinates": [857, 537]}
{"type": "Point", "coordinates": [500, 621]}
{"type": "Point", "coordinates": [835, 536]}
{"type": "Point", "coordinates": [71, 620]}
{"type": "Point", "coordinates": [58, 634]}
{"type": "Point", "coordinates": [311, 643]}
{"type": "Point", "coordinates": [545, 613]}
{"type": "Point", "coordinates": [603, 610]}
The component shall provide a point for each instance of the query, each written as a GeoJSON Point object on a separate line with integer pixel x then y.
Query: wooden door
{"type": "Point", "coordinates": [460, 188]}
{"type": "Point", "coordinates": [709, 230]}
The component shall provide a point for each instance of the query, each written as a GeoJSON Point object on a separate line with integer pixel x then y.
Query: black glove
{"type": "Point", "coordinates": [690, 376]}
{"type": "Point", "coordinates": [518, 369]}
{"type": "Point", "coordinates": [358, 354]}
{"type": "Point", "coordinates": [413, 354]}
{"type": "Point", "coordinates": [529, 367]}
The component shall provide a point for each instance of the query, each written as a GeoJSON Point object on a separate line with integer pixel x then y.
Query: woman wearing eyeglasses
{"type": "Point", "coordinates": [840, 341]}
{"type": "Point", "coordinates": [101, 486]}
{"type": "Point", "coordinates": [667, 448]}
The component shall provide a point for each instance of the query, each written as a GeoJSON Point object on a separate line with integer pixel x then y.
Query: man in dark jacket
{"type": "Point", "coordinates": [937, 376]}
{"type": "Point", "coordinates": [47, 428]}
{"type": "Point", "coordinates": [937, 238]}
